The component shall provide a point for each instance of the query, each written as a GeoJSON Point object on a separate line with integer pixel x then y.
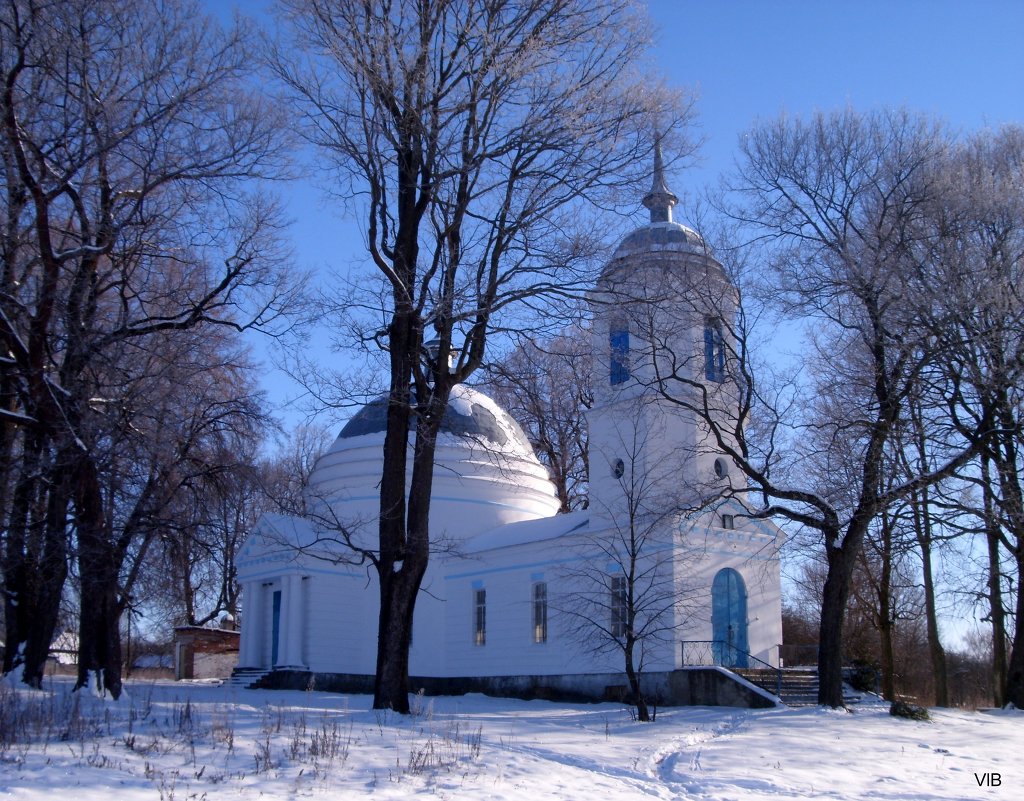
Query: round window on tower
{"type": "Point", "coordinates": [619, 468]}
{"type": "Point", "coordinates": [721, 468]}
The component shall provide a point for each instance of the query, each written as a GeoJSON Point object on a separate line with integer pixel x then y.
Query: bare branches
{"type": "Point", "coordinates": [474, 136]}
{"type": "Point", "coordinates": [627, 592]}
{"type": "Point", "coordinates": [129, 242]}
{"type": "Point", "coordinates": [546, 387]}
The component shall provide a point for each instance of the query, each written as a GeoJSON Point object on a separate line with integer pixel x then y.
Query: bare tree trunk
{"type": "Point", "coordinates": [399, 588]}
{"type": "Point", "coordinates": [52, 572]}
{"type": "Point", "coordinates": [921, 516]}
{"type": "Point", "coordinates": [1012, 508]}
{"type": "Point", "coordinates": [886, 623]}
{"type": "Point", "coordinates": [400, 579]}
{"type": "Point", "coordinates": [403, 562]}
{"type": "Point", "coordinates": [935, 649]}
{"type": "Point", "coordinates": [632, 675]}
{"type": "Point", "coordinates": [20, 588]}
{"type": "Point", "coordinates": [921, 506]}
{"type": "Point", "coordinates": [99, 656]}
{"type": "Point", "coordinates": [35, 563]}
{"type": "Point", "coordinates": [998, 617]}
{"type": "Point", "coordinates": [398, 595]}
{"type": "Point", "coordinates": [835, 594]}
{"type": "Point", "coordinates": [1014, 693]}
{"type": "Point", "coordinates": [830, 637]}
{"type": "Point", "coordinates": [1006, 458]}
{"type": "Point", "coordinates": [391, 679]}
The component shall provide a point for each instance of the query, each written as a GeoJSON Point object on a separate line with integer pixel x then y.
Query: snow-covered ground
{"type": "Point", "coordinates": [186, 741]}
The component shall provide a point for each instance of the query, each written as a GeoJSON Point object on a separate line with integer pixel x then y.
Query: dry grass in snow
{"type": "Point", "coordinates": [184, 741]}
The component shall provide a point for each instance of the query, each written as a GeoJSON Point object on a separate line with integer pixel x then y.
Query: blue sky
{"type": "Point", "coordinates": [961, 61]}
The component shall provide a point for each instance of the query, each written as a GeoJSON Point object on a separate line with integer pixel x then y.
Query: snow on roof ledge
{"type": "Point", "coordinates": [525, 531]}
{"type": "Point", "coordinates": [283, 543]}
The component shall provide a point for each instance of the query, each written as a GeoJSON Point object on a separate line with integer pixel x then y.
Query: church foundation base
{"type": "Point", "coordinates": [688, 687]}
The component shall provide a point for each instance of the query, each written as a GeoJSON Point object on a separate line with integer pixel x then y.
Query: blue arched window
{"type": "Point", "coordinates": [618, 347]}
{"type": "Point", "coordinates": [714, 351]}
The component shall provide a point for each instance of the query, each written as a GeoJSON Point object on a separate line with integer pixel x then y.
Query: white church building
{"type": "Point", "coordinates": [517, 598]}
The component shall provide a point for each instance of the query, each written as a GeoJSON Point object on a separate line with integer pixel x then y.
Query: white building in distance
{"type": "Point", "coordinates": [518, 599]}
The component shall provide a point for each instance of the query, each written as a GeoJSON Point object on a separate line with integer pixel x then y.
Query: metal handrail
{"type": "Point", "coordinates": [713, 652]}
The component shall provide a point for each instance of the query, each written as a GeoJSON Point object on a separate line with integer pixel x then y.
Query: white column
{"type": "Point", "coordinates": [250, 647]}
{"type": "Point", "coordinates": [291, 617]}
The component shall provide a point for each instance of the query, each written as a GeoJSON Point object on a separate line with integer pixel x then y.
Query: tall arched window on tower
{"type": "Point", "coordinates": [714, 351]}
{"type": "Point", "coordinates": [618, 347]}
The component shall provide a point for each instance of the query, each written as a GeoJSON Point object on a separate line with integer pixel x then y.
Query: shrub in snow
{"type": "Point", "coordinates": [901, 709]}
{"type": "Point", "coordinates": [863, 677]}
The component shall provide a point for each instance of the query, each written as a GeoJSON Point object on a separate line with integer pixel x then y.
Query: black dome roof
{"type": "Point", "coordinates": [466, 416]}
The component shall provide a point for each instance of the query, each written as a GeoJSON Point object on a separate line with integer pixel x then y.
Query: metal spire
{"type": "Point", "coordinates": [660, 199]}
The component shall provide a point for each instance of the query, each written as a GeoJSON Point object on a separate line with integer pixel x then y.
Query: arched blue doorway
{"type": "Point", "coordinates": [729, 618]}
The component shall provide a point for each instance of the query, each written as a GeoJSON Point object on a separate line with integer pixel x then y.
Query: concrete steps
{"type": "Point", "coordinates": [798, 687]}
{"type": "Point", "coordinates": [246, 678]}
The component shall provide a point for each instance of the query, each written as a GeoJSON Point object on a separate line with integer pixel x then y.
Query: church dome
{"type": "Point", "coordinates": [669, 237]}
{"type": "Point", "coordinates": [470, 414]}
{"type": "Point", "coordinates": [485, 471]}
{"type": "Point", "coordinates": [670, 243]}
{"type": "Point", "coordinates": [668, 246]}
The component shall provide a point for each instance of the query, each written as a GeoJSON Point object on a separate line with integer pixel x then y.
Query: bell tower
{"type": "Point", "coordinates": [663, 317]}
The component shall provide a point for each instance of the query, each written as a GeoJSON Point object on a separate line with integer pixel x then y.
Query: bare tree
{"type": "Point", "coordinates": [190, 577]}
{"type": "Point", "coordinates": [125, 131]}
{"type": "Point", "coordinates": [886, 645]}
{"type": "Point", "coordinates": [474, 136]}
{"type": "Point", "coordinates": [933, 517]}
{"type": "Point", "coordinates": [977, 311]}
{"type": "Point", "coordinates": [630, 593]}
{"type": "Point", "coordinates": [183, 409]}
{"type": "Point", "coordinates": [888, 593]}
{"type": "Point", "coordinates": [835, 200]}
{"type": "Point", "coordinates": [545, 385]}
{"type": "Point", "coordinates": [288, 470]}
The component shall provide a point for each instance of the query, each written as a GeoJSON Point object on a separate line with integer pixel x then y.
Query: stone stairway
{"type": "Point", "coordinates": [798, 687]}
{"type": "Point", "coordinates": [246, 678]}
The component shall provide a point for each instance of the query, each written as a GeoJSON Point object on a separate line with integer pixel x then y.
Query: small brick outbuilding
{"type": "Point", "coordinates": [203, 653]}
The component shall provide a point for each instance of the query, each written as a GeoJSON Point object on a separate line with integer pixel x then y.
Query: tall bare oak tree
{"type": "Point", "coordinates": [125, 132]}
{"type": "Point", "coordinates": [471, 137]}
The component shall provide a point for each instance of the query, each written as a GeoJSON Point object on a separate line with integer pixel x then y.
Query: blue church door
{"type": "Point", "coordinates": [729, 618]}
{"type": "Point", "coordinates": [276, 630]}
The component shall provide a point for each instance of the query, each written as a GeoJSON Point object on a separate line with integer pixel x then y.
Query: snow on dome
{"type": "Point", "coordinates": [671, 245]}
{"type": "Point", "coordinates": [485, 471]}
{"type": "Point", "coordinates": [470, 414]}
{"type": "Point", "coordinates": [671, 237]}
{"type": "Point", "coordinates": [661, 237]}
